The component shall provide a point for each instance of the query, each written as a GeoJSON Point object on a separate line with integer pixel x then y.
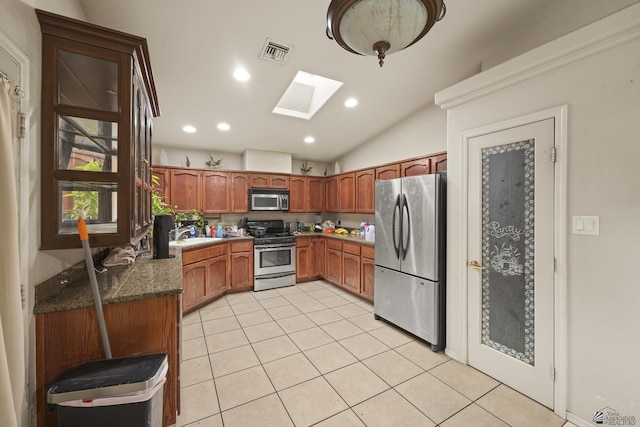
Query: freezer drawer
{"type": "Point", "coordinates": [408, 302]}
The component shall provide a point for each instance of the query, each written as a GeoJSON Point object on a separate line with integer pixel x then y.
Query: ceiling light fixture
{"type": "Point", "coordinates": [188, 129]}
{"type": "Point", "coordinates": [241, 74]}
{"type": "Point", "coordinates": [309, 140]}
{"type": "Point", "coordinates": [350, 102]}
{"type": "Point", "coordinates": [224, 126]}
{"type": "Point", "coordinates": [381, 27]}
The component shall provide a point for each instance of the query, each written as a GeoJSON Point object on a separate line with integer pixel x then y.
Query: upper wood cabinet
{"type": "Point", "coordinates": [332, 194]}
{"type": "Point", "coordinates": [439, 163]}
{"type": "Point", "coordinates": [298, 194]}
{"type": "Point", "coordinates": [264, 180]}
{"type": "Point", "coordinates": [239, 192]}
{"type": "Point", "coordinates": [186, 189]}
{"type": "Point", "coordinates": [391, 171]}
{"type": "Point", "coordinates": [365, 191]}
{"type": "Point", "coordinates": [306, 193]}
{"type": "Point", "coordinates": [347, 183]}
{"type": "Point", "coordinates": [416, 167]}
{"type": "Point", "coordinates": [163, 178]}
{"type": "Point", "coordinates": [215, 192]}
{"type": "Point", "coordinates": [98, 102]}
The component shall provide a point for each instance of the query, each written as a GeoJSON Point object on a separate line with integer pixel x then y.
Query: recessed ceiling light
{"type": "Point", "coordinates": [351, 102]}
{"type": "Point", "coordinates": [224, 126]}
{"type": "Point", "coordinates": [189, 129]}
{"type": "Point", "coordinates": [309, 140]}
{"type": "Point", "coordinates": [241, 74]}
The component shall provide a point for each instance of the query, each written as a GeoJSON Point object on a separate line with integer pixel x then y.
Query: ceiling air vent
{"type": "Point", "coordinates": [276, 52]}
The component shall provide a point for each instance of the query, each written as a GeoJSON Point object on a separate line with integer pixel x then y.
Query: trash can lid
{"type": "Point", "coordinates": [109, 377]}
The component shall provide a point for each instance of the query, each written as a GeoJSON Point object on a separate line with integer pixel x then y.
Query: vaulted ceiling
{"type": "Point", "coordinates": [195, 46]}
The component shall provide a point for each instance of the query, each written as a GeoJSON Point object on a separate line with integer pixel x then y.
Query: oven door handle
{"type": "Point", "coordinates": [271, 248]}
{"type": "Point", "coordinates": [275, 275]}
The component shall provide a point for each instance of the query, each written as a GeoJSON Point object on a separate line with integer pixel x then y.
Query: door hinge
{"type": "Point", "coordinates": [552, 373]}
{"type": "Point", "coordinates": [553, 154]}
{"type": "Point", "coordinates": [22, 125]}
{"type": "Point", "coordinates": [554, 264]}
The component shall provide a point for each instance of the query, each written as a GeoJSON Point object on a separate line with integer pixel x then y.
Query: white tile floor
{"type": "Point", "coordinates": [312, 354]}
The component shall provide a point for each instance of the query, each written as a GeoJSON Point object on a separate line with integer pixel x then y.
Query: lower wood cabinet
{"type": "Point", "coordinates": [367, 268]}
{"type": "Point", "coordinates": [68, 338]}
{"type": "Point", "coordinates": [241, 266]}
{"type": "Point", "coordinates": [333, 261]}
{"type": "Point", "coordinates": [303, 259]}
{"type": "Point", "coordinates": [351, 267]}
{"type": "Point", "coordinates": [318, 245]}
{"type": "Point", "coordinates": [205, 275]}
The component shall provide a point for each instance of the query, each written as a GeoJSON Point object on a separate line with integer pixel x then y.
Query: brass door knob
{"type": "Point", "coordinates": [476, 265]}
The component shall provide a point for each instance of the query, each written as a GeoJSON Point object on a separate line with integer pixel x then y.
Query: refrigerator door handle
{"type": "Point", "coordinates": [407, 232]}
{"type": "Point", "coordinates": [396, 243]}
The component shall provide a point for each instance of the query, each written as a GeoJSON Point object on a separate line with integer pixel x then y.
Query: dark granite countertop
{"type": "Point", "coordinates": [144, 279]}
{"type": "Point", "coordinates": [344, 237]}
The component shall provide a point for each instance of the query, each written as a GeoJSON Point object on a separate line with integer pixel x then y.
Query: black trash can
{"type": "Point", "coordinates": [123, 392]}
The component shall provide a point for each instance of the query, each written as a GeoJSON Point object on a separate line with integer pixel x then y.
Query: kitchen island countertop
{"type": "Point", "coordinates": [144, 279]}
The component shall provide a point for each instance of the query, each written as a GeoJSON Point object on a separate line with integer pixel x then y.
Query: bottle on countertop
{"type": "Point", "coordinates": [363, 224]}
{"type": "Point", "coordinates": [219, 231]}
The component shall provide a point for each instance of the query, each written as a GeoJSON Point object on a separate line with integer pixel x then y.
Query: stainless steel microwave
{"type": "Point", "coordinates": [262, 199]}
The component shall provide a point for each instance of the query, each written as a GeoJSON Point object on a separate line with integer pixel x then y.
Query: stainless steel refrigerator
{"type": "Point", "coordinates": [409, 285]}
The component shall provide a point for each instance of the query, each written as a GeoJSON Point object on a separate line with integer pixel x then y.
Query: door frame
{"type": "Point", "coordinates": [559, 114]}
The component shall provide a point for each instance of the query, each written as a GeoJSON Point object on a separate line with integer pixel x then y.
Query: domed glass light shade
{"type": "Point", "coordinates": [381, 27]}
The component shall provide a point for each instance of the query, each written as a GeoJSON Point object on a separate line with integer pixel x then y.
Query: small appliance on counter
{"type": "Point", "coordinates": [162, 225]}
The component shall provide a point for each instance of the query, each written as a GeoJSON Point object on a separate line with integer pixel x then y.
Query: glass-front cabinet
{"type": "Point", "coordinates": [98, 103]}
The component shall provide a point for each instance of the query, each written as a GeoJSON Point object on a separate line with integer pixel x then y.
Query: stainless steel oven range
{"type": "Point", "coordinates": [274, 254]}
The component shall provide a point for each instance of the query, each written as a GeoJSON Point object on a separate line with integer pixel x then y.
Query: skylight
{"type": "Point", "coordinates": [306, 94]}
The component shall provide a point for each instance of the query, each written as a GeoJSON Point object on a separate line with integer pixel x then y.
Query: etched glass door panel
{"type": "Point", "coordinates": [510, 257]}
{"type": "Point", "coordinates": [508, 224]}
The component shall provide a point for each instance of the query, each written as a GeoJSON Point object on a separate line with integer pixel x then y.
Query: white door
{"type": "Point", "coordinates": [511, 259]}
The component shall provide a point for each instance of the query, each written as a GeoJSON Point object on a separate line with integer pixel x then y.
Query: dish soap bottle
{"type": "Point", "coordinates": [362, 227]}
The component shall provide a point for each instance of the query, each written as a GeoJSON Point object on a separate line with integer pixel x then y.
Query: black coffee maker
{"type": "Point", "coordinates": [162, 225]}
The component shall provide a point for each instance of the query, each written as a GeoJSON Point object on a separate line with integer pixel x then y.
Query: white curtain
{"type": "Point", "coordinates": [12, 366]}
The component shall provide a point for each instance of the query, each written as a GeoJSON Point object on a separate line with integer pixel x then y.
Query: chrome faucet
{"type": "Point", "coordinates": [177, 232]}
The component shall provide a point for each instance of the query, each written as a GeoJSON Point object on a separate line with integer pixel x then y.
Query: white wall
{"type": "Point", "coordinates": [422, 133]}
{"type": "Point", "coordinates": [602, 92]}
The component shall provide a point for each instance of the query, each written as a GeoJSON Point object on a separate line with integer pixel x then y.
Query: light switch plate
{"type": "Point", "coordinates": [587, 225]}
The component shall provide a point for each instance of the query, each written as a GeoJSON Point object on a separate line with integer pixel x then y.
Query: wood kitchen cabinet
{"type": "Point", "coordinates": [241, 264]}
{"type": "Point", "coordinates": [415, 167]}
{"type": "Point", "coordinates": [391, 171]}
{"type": "Point", "coordinates": [347, 184]}
{"type": "Point", "coordinates": [239, 192]}
{"type": "Point", "coordinates": [68, 338]}
{"type": "Point", "coordinates": [98, 103]}
{"type": "Point", "coordinates": [333, 261]}
{"type": "Point", "coordinates": [298, 194]}
{"type": "Point", "coordinates": [303, 258]}
{"type": "Point", "coordinates": [351, 267]}
{"type": "Point", "coordinates": [439, 163]}
{"type": "Point", "coordinates": [367, 265]}
{"type": "Point", "coordinates": [318, 245]}
{"type": "Point", "coordinates": [163, 187]}
{"type": "Point", "coordinates": [306, 194]}
{"type": "Point", "coordinates": [316, 190]}
{"type": "Point", "coordinates": [215, 192]}
{"type": "Point", "coordinates": [263, 180]}
{"type": "Point", "coordinates": [332, 194]}
{"type": "Point", "coordinates": [186, 189]}
{"type": "Point", "coordinates": [365, 191]}
{"type": "Point", "coordinates": [205, 275]}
